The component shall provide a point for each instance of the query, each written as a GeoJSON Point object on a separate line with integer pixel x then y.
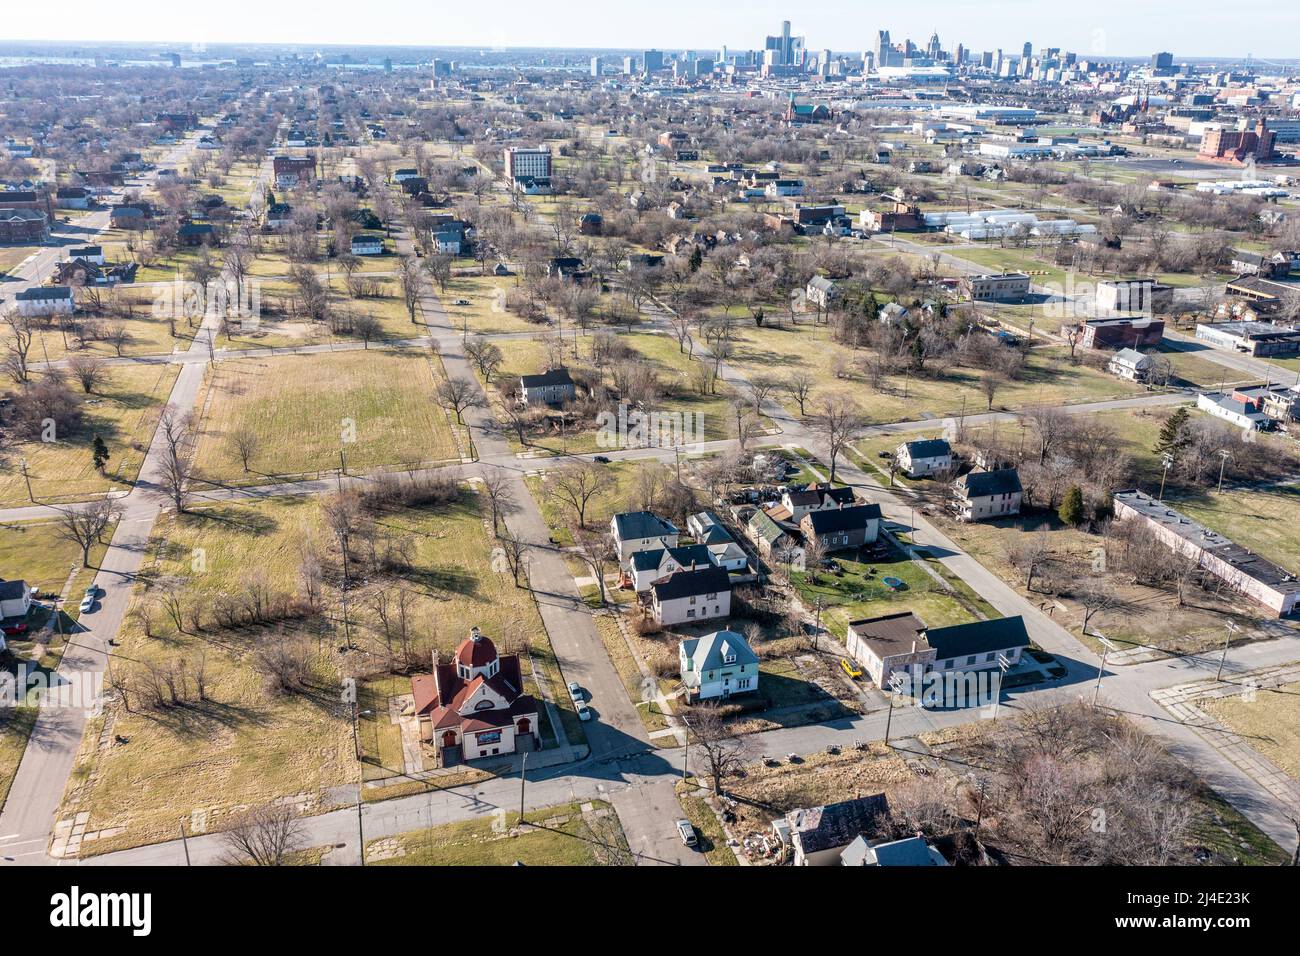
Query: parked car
{"type": "Point", "coordinates": [15, 629]}
{"type": "Point", "coordinates": [584, 712]}
{"type": "Point", "coordinates": [92, 591]}
{"type": "Point", "coordinates": [601, 459]}
{"type": "Point", "coordinates": [686, 832]}
{"type": "Point", "coordinates": [575, 691]}
{"type": "Point", "coordinates": [87, 603]}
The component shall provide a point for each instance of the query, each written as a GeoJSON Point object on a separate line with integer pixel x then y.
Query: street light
{"type": "Point", "coordinates": [1224, 453]}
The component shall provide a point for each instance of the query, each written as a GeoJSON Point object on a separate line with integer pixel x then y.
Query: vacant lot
{"type": "Point", "coordinates": [243, 742]}
{"type": "Point", "coordinates": [578, 834]}
{"type": "Point", "coordinates": [376, 406]}
{"type": "Point", "coordinates": [1270, 723]}
{"type": "Point", "coordinates": [123, 412]}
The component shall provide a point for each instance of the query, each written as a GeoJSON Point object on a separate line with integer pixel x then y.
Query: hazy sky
{"type": "Point", "coordinates": [1094, 27]}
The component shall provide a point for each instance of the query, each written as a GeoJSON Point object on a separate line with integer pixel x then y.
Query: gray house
{"type": "Point", "coordinates": [843, 528]}
{"type": "Point", "coordinates": [717, 665]}
{"type": "Point", "coordinates": [554, 387]}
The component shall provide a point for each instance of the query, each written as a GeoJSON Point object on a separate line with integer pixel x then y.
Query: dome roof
{"type": "Point", "coordinates": [476, 650]}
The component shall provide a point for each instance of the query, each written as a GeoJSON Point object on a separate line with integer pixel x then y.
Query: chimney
{"type": "Point", "coordinates": [475, 634]}
{"type": "Point", "coordinates": [435, 655]}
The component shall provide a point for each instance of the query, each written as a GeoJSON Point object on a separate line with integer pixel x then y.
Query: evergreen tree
{"type": "Point", "coordinates": [1173, 433]}
{"type": "Point", "coordinates": [100, 453]}
{"type": "Point", "coordinates": [1071, 510]}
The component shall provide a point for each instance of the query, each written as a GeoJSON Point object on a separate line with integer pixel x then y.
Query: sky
{"type": "Point", "coordinates": [1100, 28]}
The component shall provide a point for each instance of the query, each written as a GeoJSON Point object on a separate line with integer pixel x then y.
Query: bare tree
{"type": "Point", "coordinates": [17, 345]}
{"type": "Point", "coordinates": [514, 549]}
{"type": "Point", "coordinates": [576, 484]}
{"type": "Point", "coordinates": [457, 395]}
{"type": "Point", "coordinates": [174, 428]}
{"type": "Point", "coordinates": [90, 371]}
{"type": "Point", "coordinates": [85, 526]}
{"type": "Point", "coordinates": [245, 443]}
{"type": "Point", "coordinates": [499, 491]}
{"type": "Point", "coordinates": [838, 421]}
{"type": "Point", "coordinates": [722, 754]}
{"type": "Point", "coordinates": [799, 386]}
{"type": "Point", "coordinates": [597, 550]}
{"type": "Point", "coordinates": [366, 327]}
{"type": "Point", "coordinates": [262, 836]}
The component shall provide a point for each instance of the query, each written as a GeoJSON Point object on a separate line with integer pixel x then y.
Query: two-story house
{"type": "Point", "coordinates": [717, 665]}
{"type": "Point", "coordinates": [923, 458]}
{"type": "Point", "coordinates": [690, 596]}
{"type": "Point", "coordinates": [552, 387]}
{"type": "Point", "coordinates": [982, 495]}
{"type": "Point", "coordinates": [844, 528]}
{"type": "Point", "coordinates": [635, 531]}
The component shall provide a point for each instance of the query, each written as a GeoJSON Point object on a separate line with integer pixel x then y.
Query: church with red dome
{"type": "Point", "coordinates": [474, 705]}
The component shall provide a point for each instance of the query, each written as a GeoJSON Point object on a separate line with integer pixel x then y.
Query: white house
{"type": "Point", "coordinates": [367, 245]}
{"type": "Point", "coordinates": [982, 495]}
{"type": "Point", "coordinates": [818, 835]}
{"type": "Point", "coordinates": [910, 851]}
{"type": "Point", "coordinates": [15, 599]}
{"type": "Point", "coordinates": [903, 642]}
{"type": "Point", "coordinates": [717, 665]}
{"type": "Point", "coordinates": [723, 549]}
{"type": "Point", "coordinates": [635, 531]}
{"type": "Point", "coordinates": [658, 564]}
{"type": "Point", "coordinates": [690, 596]}
{"type": "Point", "coordinates": [46, 300]}
{"type": "Point", "coordinates": [1130, 365]}
{"type": "Point", "coordinates": [924, 457]}
{"type": "Point", "coordinates": [1241, 410]}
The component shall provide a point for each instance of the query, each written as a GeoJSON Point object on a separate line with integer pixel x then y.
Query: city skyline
{"type": "Point", "coordinates": [1107, 29]}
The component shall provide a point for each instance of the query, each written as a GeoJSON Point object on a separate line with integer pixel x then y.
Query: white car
{"type": "Point", "coordinates": [87, 603]}
{"type": "Point", "coordinates": [686, 832]}
{"type": "Point", "coordinates": [584, 712]}
{"type": "Point", "coordinates": [575, 692]}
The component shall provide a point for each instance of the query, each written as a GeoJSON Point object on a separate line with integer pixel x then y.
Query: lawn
{"type": "Point", "coordinates": [486, 311]}
{"type": "Point", "coordinates": [375, 405]}
{"type": "Point", "coordinates": [245, 744]}
{"type": "Point", "coordinates": [855, 593]}
{"type": "Point", "coordinates": [123, 412]}
{"type": "Point", "coordinates": [1270, 722]}
{"type": "Point", "coordinates": [1263, 520]}
{"type": "Point", "coordinates": [577, 834]}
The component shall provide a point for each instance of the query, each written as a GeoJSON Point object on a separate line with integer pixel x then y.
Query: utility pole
{"type": "Point", "coordinates": [185, 843]}
{"type": "Point", "coordinates": [889, 719]}
{"type": "Point", "coordinates": [361, 838]}
{"type": "Point", "coordinates": [1232, 629]}
{"type": "Point", "coordinates": [1168, 462]}
{"type": "Point", "coordinates": [523, 782]}
{"type": "Point", "coordinates": [27, 478]}
{"type": "Point", "coordinates": [1223, 462]}
{"type": "Point", "coordinates": [1105, 649]}
{"type": "Point", "coordinates": [686, 756]}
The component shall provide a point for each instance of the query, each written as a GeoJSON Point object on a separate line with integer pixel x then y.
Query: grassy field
{"type": "Point", "coordinates": [1263, 520]}
{"type": "Point", "coordinates": [1270, 722]}
{"type": "Point", "coordinates": [486, 310]}
{"type": "Point", "coordinates": [244, 744]}
{"type": "Point", "coordinates": [123, 412]}
{"type": "Point", "coordinates": [1047, 377]}
{"type": "Point", "coordinates": [376, 405]}
{"type": "Point", "coordinates": [577, 834]}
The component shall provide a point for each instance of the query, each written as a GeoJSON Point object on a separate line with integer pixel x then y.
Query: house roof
{"type": "Point", "coordinates": [980, 484]}
{"type": "Point", "coordinates": [978, 637]}
{"type": "Point", "coordinates": [928, 448]}
{"type": "Point", "coordinates": [641, 524]}
{"type": "Point", "coordinates": [891, 634]}
{"type": "Point", "coordinates": [842, 519]}
{"type": "Point", "coordinates": [686, 555]}
{"type": "Point", "coordinates": [912, 851]}
{"type": "Point", "coordinates": [836, 824]}
{"type": "Point", "coordinates": [40, 293]}
{"type": "Point", "coordinates": [710, 652]}
{"type": "Point", "coordinates": [816, 496]}
{"type": "Point", "coordinates": [1131, 357]}
{"type": "Point", "coordinates": [767, 529]}
{"type": "Point", "coordinates": [710, 580]}
{"type": "Point", "coordinates": [555, 376]}
{"type": "Point", "coordinates": [13, 590]}
{"type": "Point", "coordinates": [440, 695]}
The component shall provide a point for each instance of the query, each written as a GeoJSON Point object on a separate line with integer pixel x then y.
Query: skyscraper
{"type": "Point", "coordinates": [652, 61]}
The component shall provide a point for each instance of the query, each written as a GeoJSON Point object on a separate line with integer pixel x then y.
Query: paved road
{"type": "Point", "coordinates": [29, 813]}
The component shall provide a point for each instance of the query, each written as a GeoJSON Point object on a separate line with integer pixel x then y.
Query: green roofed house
{"type": "Point", "coordinates": [717, 665]}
